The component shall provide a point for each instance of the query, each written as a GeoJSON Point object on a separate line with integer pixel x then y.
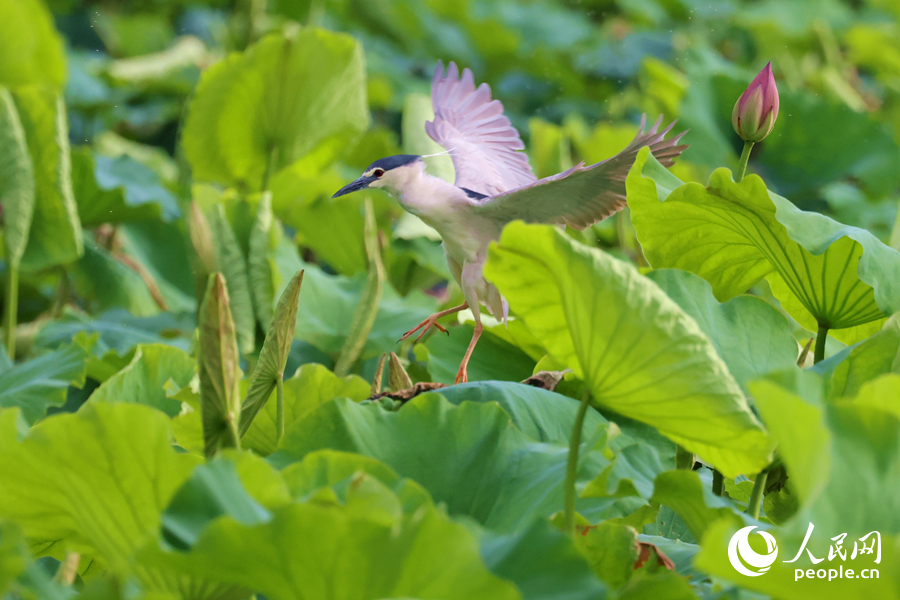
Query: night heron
{"type": "Point", "coordinates": [494, 185]}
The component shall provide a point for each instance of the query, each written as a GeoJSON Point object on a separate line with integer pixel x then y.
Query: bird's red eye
{"type": "Point", "coordinates": [378, 172]}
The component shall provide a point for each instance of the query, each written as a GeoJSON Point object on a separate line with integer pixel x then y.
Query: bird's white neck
{"type": "Point", "coordinates": [420, 193]}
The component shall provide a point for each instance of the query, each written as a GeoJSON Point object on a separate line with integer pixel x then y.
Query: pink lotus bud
{"type": "Point", "coordinates": [755, 111]}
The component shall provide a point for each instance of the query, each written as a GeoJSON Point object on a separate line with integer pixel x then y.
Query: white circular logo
{"type": "Point", "coordinates": [740, 552]}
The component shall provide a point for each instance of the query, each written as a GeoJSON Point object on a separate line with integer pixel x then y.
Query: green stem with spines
{"type": "Point", "coordinates": [759, 486]}
{"type": "Point", "coordinates": [572, 464]}
{"type": "Point", "coordinates": [742, 165]}
{"type": "Point", "coordinates": [821, 338]}
{"type": "Point", "coordinates": [12, 309]}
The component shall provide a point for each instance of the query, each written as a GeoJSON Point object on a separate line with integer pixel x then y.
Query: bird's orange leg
{"type": "Point", "coordinates": [461, 375]}
{"type": "Point", "coordinates": [432, 321]}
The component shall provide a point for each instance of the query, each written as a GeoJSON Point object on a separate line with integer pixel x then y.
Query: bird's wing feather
{"type": "Point", "coordinates": [582, 195]}
{"type": "Point", "coordinates": [484, 146]}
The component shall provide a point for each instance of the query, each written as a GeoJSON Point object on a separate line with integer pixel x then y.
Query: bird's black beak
{"type": "Point", "coordinates": [360, 184]}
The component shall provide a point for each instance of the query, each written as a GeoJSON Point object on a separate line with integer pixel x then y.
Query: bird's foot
{"type": "Point", "coordinates": [461, 375]}
{"type": "Point", "coordinates": [425, 326]}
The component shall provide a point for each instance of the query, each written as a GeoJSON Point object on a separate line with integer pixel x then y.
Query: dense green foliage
{"type": "Point", "coordinates": [198, 337]}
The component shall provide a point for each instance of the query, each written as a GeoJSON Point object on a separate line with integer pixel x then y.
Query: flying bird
{"type": "Point", "coordinates": [494, 185]}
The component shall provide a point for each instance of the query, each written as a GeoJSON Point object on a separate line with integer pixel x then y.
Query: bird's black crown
{"type": "Point", "coordinates": [392, 162]}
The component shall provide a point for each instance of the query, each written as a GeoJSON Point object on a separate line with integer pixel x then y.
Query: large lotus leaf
{"type": "Point", "coordinates": [311, 386]}
{"type": "Point", "coordinates": [542, 415]}
{"type": "Point", "coordinates": [286, 97]}
{"type": "Point", "coordinates": [116, 190]}
{"type": "Point", "coordinates": [327, 468]}
{"type": "Point", "coordinates": [105, 282]}
{"type": "Point", "coordinates": [96, 480]}
{"type": "Point", "coordinates": [55, 236]}
{"type": "Point", "coordinates": [238, 484]}
{"type": "Point", "coordinates": [163, 252]}
{"type": "Point", "coordinates": [694, 502]}
{"type": "Point", "coordinates": [844, 459]}
{"type": "Point", "coordinates": [31, 50]}
{"type": "Point", "coordinates": [750, 335]}
{"type": "Point", "coordinates": [329, 302]}
{"type": "Point", "coordinates": [781, 576]}
{"type": "Point", "coordinates": [839, 455]}
{"type": "Point", "coordinates": [734, 234]}
{"type": "Point", "coordinates": [330, 227]}
{"type": "Point", "coordinates": [472, 457]}
{"type": "Point", "coordinates": [548, 417]}
{"type": "Point", "coordinates": [12, 555]}
{"type": "Point", "coordinates": [16, 180]}
{"type": "Point", "coordinates": [878, 355]}
{"type": "Point", "coordinates": [154, 368]}
{"type": "Point", "coordinates": [542, 562]}
{"type": "Point", "coordinates": [637, 351]}
{"type": "Point", "coordinates": [41, 382]}
{"type": "Point", "coordinates": [20, 577]}
{"type": "Point", "coordinates": [118, 331]}
{"type": "Point", "coordinates": [364, 548]}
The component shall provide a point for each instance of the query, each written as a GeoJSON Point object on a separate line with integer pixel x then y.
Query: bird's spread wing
{"type": "Point", "coordinates": [582, 195]}
{"type": "Point", "coordinates": [484, 146]}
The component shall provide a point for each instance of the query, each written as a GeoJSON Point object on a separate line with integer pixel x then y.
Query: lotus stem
{"type": "Point", "coordinates": [12, 308]}
{"type": "Point", "coordinates": [821, 338]}
{"type": "Point", "coordinates": [718, 486]}
{"type": "Point", "coordinates": [279, 407]}
{"type": "Point", "coordinates": [68, 568]}
{"type": "Point", "coordinates": [745, 157]}
{"type": "Point", "coordinates": [756, 495]}
{"type": "Point", "coordinates": [572, 464]}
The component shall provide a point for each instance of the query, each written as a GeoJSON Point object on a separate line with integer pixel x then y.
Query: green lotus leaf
{"type": "Point", "coordinates": [750, 335]}
{"type": "Point", "coordinates": [96, 480]}
{"type": "Point", "coordinates": [840, 454]}
{"type": "Point", "coordinates": [153, 370]}
{"type": "Point", "coordinates": [734, 234]}
{"type": "Point", "coordinates": [41, 382]}
{"type": "Point", "coordinates": [542, 561]}
{"type": "Point", "coordinates": [310, 387]}
{"type": "Point", "coordinates": [117, 190]}
{"type": "Point", "coordinates": [16, 180]}
{"type": "Point", "coordinates": [638, 352]}
{"type": "Point", "coordinates": [698, 507]}
{"type": "Point", "coordinates": [878, 355]}
{"type": "Point", "coordinates": [288, 96]}
{"type": "Point", "coordinates": [55, 237]}
{"type": "Point", "coordinates": [471, 457]}
{"type": "Point", "coordinates": [367, 543]}
{"type": "Point", "coordinates": [31, 50]}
